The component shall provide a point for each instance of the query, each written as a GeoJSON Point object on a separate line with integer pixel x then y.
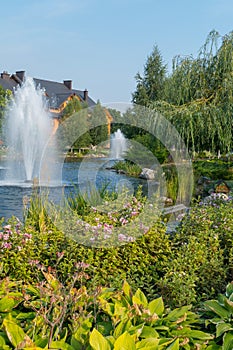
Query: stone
{"type": "Point", "coordinates": [203, 180]}
{"type": "Point", "coordinates": [148, 174]}
{"type": "Point", "coordinates": [222, 187]}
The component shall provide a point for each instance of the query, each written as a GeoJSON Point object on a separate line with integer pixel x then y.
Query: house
{"type": "Point", "coordinates": [58, 94]}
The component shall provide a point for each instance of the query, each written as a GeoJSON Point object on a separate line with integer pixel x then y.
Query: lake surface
{"type": "Point", "coordinates": [79, 176]}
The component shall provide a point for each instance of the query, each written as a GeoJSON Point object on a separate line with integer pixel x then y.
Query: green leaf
{"type": "Point", "coordinates": [214, 306]}
{"type": "Point", "coordinates": [121, 328]}
{"type": "Point", "coordinates": [124, 342]}
{"type": "Point", "coordinates": [229, 289]}
{"type": "Point", "coordinates": [149, 332]}
{"type": "Point", "coordinates": [76, 344]}
{"type": "Point", "coordinates": [149, 344]}
{"type": "Point", "coordinates": [165, 341]}
{"type": "Point", "coordinates": [156, 306]}
{"type": "Point", "coordinates": [61, 344]}
{"type": "Point", "coordinates": [139, 298]}
{"type": "Point", "coordinates": [10, 301]}
{"type": "Point", "coordinates": [223, 328]}
{"type": "Point", "coordinates": [2, 342]}
{"type": "Point", "coordinates": [15, 333]}
{"type": "Point", "coordinates": [195, 334]}
{"type": "Point", "coordinates": [126, 290]}
{"type": "Point", "coordinates": [136, 331]}
{"type": "Point", "coordinates": [98, 342]}
{"type": "Point", "coordinates": [174, 345]}
{"type": "Point", "coordinates": [186, 332]}
{"type": "Point", "coordinates": [214, 347]}
{"type": "Point", "coordinates": [176, 314]}
{"type": "Point", "coordinates": [32, 290]}
{"type": "Point", "coordinates": [26, 315]}
{"type": "Point", "coordinates": [227, 341]}
{"type": "Point", "coordinates": [41, 342]}
{"type": "Point", "coordinates": [37, 348]}
{"type": "Point", "coordinates": [105, 327]}
{"type": "Point", "coordinates": [82, 332]}
{"type": "Point", "coordinates": [229, 305]}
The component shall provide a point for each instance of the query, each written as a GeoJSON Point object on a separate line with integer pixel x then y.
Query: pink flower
{"type": "Point", "coordinates": [60, 254]}
{"type": "Point", "coordinates": [123, 221]}
{"type": "Point", "coordinates": [6, 236]}
{"type": "Point", "coordinates": [6, 245]}
{"type": "Point", "coordinates": [121, 237]}
{"type": "Point", "coordinates": [82, 265]}
{"type": "Point", "coordinates": [34, 262]}
{"type": "Point", "coordinates": [27, 235]}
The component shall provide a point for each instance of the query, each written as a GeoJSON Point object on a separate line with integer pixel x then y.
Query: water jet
{"type": "Point", "coordinates": [118, 145]}
{"type": "Point", "coordinates": [28, 127]}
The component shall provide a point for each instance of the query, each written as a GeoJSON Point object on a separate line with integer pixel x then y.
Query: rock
{"type": "Point", "coordinates": [203, 180]}
{"type": "Point", "coordinates": [222, 187]}
{"type": "Point", "coordinates": [166, 200]}
{"type": "Point", "coordinates": [148, 174]}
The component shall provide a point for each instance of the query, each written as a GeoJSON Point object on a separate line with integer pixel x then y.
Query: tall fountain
{"type": "Point", "coordinates": [28, 128]}
{"type": "Point", "coordinates": [118, 145]}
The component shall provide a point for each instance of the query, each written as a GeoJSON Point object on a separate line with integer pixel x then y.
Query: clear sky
{"type": "Point", "coordinates": [102, 44]}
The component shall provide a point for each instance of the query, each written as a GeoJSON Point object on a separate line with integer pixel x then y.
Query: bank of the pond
{"type": "Point", "coordinates": [207, 175]}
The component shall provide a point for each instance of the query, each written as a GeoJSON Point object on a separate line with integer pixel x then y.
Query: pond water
{"type": "Point", "coordinates": [79, 175]}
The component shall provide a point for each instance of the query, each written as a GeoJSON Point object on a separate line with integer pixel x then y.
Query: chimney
{"type": "Point", "coordinates": [5, 75]}
{"type": "Point", "coordinates": [68, 84]}
{"type": "Point", "coordinates": [21, 75]}
{"type": "Point", "coordinates": [85, 95]}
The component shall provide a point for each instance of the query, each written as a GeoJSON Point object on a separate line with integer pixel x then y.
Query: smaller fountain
{"type": "Point", "coordinates": [118, 145]}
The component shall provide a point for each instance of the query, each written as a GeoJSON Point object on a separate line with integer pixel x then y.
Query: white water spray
{"type": "Point", "coordinates": [118, 145]}
{"type": "Point", "coordinates": [28, 128]}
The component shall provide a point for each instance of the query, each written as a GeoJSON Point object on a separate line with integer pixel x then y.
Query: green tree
{"type": "Point", "coordinates": [197, 96]}
{"type": "Point", "coordinates": [5, 96]}
{"type": "Point", "coordinates": [73, 131]}
{"type": "Point", "coordinates": [150, 86]}
{"type": "Point", "coordinates": [98, 124]}
{"type": "Point", "coordinates": [72, 106]}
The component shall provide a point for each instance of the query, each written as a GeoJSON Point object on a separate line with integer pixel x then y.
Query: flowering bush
{"type": "Point", "coordinates": [192, 264]}
{"type": "Point", "coordinates": [16, 245]}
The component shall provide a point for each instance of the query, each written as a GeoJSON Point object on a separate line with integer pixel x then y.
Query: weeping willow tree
{"type": "Point", "coordinates": [197, 96]}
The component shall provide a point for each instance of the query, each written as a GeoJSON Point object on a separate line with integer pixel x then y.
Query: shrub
{"type": "Point", "coordinates": [57, 316]}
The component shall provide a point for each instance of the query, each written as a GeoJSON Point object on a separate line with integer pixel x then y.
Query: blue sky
{"type": "Point", "coordinates": [102, 44]}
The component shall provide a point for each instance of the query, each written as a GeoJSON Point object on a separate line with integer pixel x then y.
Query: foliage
{"type": "Point", "coordinates": [127, 167]}
{"type": "Point", "coordinates": [98, 125]}
{"type": "Point", "coordinates": [150, 86]}
{"type": "Point", "coordinates": [213, 169]}
{"type": "Point", "coordinates": [53, 315]}
{"type": "Point", "coordinates": [73, 106]}
{"type": "Point", "coordinates": [203, 243]}
{"type": "Point", "coordinates": [177, 265]}
{"type": "Point", "coordinates": [82, 127]}
{"type": "Point", "coordinates": [140, 261]}
{"type": "Point", "coordinates": [218, 314]}
{"type": "Point", "coordinates": [5, 96]}
{"type": "Point", "coordinates": [197, 96]}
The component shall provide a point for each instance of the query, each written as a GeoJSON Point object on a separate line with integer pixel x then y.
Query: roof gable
{"type": "Point", "coordinates": [57, 93]}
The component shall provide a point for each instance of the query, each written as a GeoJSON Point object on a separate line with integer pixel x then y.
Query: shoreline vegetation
{"type": "Point", "coordinates": [56, 292]}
